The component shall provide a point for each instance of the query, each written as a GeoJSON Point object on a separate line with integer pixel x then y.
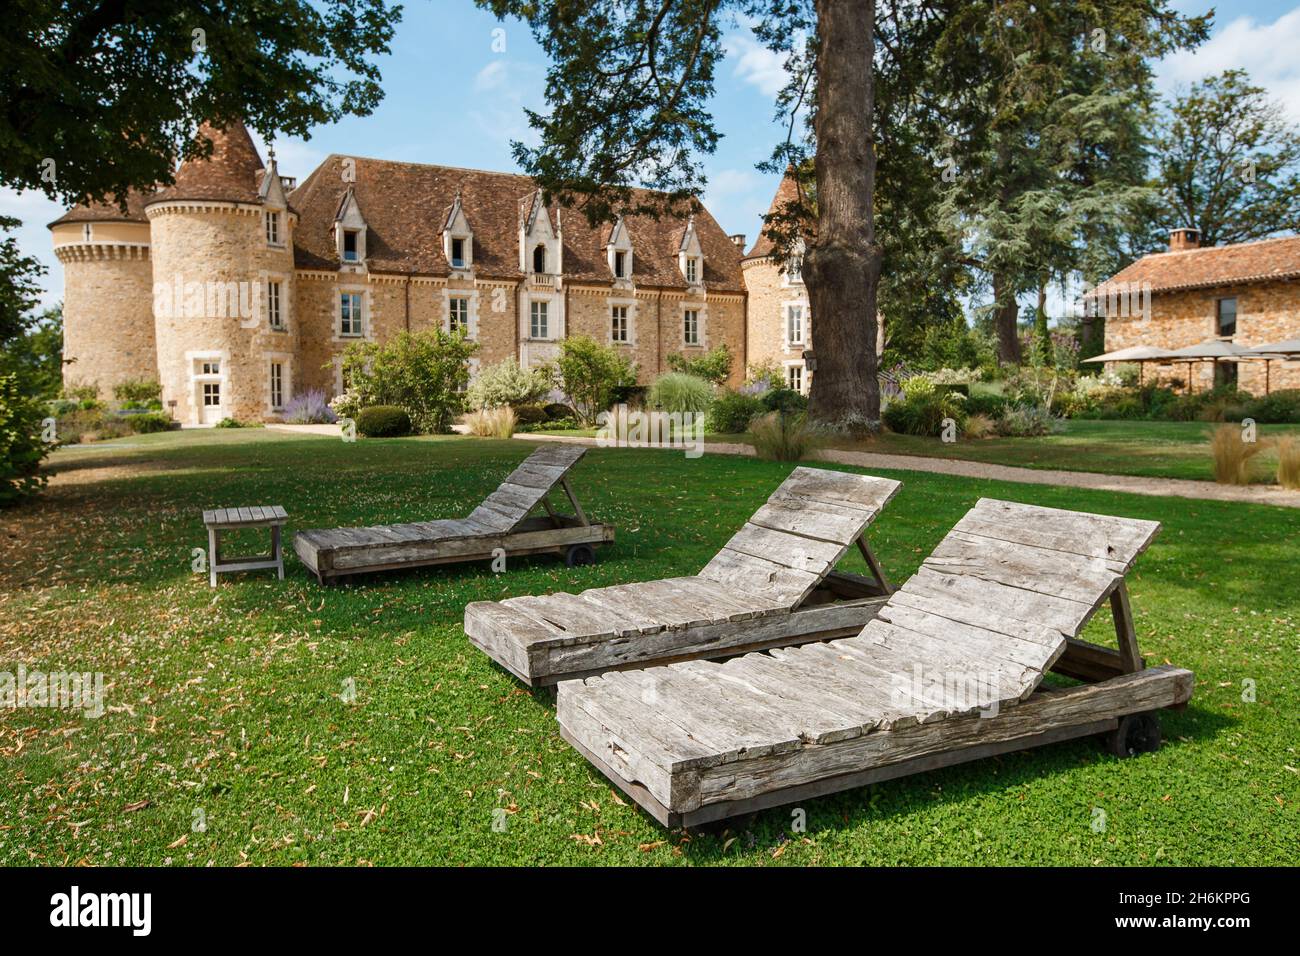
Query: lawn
{"type": "Point", "coordinates": [231, 707]}
{"type": "Point", "coordinates": [1145, 449]}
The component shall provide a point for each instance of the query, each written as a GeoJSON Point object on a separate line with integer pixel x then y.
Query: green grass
{"type": "Point", "coordinates": [229, 702]}
{"type": "Point", "coordinates": [1144, 449]}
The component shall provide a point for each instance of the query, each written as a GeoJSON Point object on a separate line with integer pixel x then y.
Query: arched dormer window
{"type": "Point", "coordinates": [541, 241]}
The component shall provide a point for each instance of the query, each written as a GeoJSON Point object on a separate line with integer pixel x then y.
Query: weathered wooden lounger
{"type": "Point", "coordinates": [501, 521]}
{"type": "Point", "coordinates": [948, 671]}
{"type": "Point", "coordinates": [773, 583]}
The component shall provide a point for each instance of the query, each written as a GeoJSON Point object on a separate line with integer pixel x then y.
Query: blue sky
{"type": "Point", "coordinates": [452, 99]}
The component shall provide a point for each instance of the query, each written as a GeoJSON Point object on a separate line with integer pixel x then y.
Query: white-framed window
{"type": "Point", "coordinates": [620, 264]}
{"type": "Point", "coordinates": [794, 377]}
{"type": "Point", "coordinates": [211, 394]}
{"type": "Point", "coordinates": [539, 320]}
{"type": "Point", "coordinates": [458, 314]}
{"type": "Point", "coordinates": [620, 330]}
{"type": "Point", "coordinates": [277, 385]}
{"type": "Point", "coordinates": [210, 367]}
{"type": "Point", "coordinates": [273, 228]}
{"type": "Point", "coordinates": [350, 315]}
{"type": "Point", "coordinates": [794, 324]}
{"type": "Point", "coordinates": [274, 305]}
{"type": "Point", "coordinates": [794, 269]}
{"type": "Point", "coordinates": [458, 260]}
{"type": "Point", "coordinates": [692, 270]}
{"type": "Point", "coordinates": [351, 245]}
{"type": "Point", "coordinates": [691, 327]}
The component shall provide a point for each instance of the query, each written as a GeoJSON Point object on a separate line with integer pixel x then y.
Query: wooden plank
{"type": "Point", "coordinates": [573, 616]}
{"type": "Point", "coordinates": [812, 519]}
{"type": "Point", "coordinates": [561, 454]}
{"type": "Point", "coordinates": [990, 604]}
{"type": "Point", "coordinates": [1118, 541]}
{"type": "Point", "coordinates": [760, 577]}
{"type": "Point", "coordinates": [839, 487]}
{"type": "Point", "coordinates": [535, 475]}
{"type": "Point", "coordinates": [784, 548]}
{"type": "Point", "coordinates": [1022, 566]}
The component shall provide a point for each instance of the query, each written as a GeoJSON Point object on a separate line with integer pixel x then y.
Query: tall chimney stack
{"type": "Point", "coordinates": [1181, 240]}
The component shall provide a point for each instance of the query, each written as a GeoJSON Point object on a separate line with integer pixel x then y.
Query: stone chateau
{"type": "Point", "coordinates": [238, 288]}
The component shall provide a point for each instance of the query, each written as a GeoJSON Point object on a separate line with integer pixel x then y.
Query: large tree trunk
{"type": "Point", "coordinates": [842, 267]}
{"type": "Point", "coordinates": [1006, 318]}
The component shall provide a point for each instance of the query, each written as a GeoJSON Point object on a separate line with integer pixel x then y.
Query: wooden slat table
{"type": "Point", "coordinates": [217, 520]}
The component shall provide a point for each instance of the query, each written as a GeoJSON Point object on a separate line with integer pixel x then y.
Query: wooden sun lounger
{"type": "Point", "coordinates": [501, 521]}
{"type": "Point", "coordinates": [948, 671]}
{"type": "Point", "coordinates": [773, 583]}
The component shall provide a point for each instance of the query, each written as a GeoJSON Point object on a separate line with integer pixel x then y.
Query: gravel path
{"type": "Point", "coordinates": [1131, 484]}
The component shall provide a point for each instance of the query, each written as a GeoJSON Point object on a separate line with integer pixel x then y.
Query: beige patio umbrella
{"type": "Point", "coordinates": [1134, 353]}
{"type": "Point", "coordinates": [1211, 350]}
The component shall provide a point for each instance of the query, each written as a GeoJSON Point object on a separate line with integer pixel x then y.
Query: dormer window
{"type": "Point", "coordinates": [620, 265]}
{"type": "Point", "coordinates": [458, 238]}
{"type": "Point", "coordinates": [351, 245]}
{"type": "Point", "coordinates": [273, 228]}
{"type": "Point", "coordinates": [795, 269]}
{"type": "Point", "coordinates": [539, 259]}
{"type": "Point", "coordinates": [690, 255]}
{"type": "Point", "coordinates": [457, 253]}
{"type": "Point", "coordinates": [350, 234]}
{"type": "Point", "coordinates": [692, 270]}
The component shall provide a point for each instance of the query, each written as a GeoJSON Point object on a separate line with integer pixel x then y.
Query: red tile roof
{"type": "Point", "coordinates": [1243, 262]}
{"type": "Point", "coordinates": [107, 211]}
{"type": "Point", "coordinates": [405, 206]}
{"type": "Point", "coordinates": [231, 174]}
{"type": "Point", "coordinates": [787, 193]}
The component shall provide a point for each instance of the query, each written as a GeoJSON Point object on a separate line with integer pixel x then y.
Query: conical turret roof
{"type": "Point", "coordinates": [232, 173]}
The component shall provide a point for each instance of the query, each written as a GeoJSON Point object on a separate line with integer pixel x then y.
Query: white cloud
{"type": "Point", "coordinates": [506, 87]}
{"type": "Point", "coordinates": [491, 77]}
{"type": "Point", "coordinates": [294, 157]}
{"type": "Point", "coordinates": [756, 64]}
{"type": "Point", "coordinates": [1267, 51]}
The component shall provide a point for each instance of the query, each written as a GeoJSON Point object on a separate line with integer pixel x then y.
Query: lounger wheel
{"type": "Point", "coordinates": [579, 554]}
{"type": "Point", "coordinates": [1136, 734]}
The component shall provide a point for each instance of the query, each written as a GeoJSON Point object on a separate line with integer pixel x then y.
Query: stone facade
{"type": "Point", "coordinates": [772, 331]}
{"type": "Point", "coordinates": [1266, 312]}
{"type": "Point", "coordinates": [108, 280]}
{"type": "Point", "coordinates": [179, 287]}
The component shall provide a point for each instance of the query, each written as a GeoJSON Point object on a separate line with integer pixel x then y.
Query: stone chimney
{"type": "Point", "coordinates": [738, 240]}
{"type": "Point", "coordinates": [1181, 240]}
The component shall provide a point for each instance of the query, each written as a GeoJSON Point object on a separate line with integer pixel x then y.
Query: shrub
{"type": "Point", "coordinates": [680, 392]}
{"type": "Point", "coordinates": [1288, 461]}
{"type": "Point", "coordinates": [22, 446]}
{"type": "Point", "coordinates": [1232, 455]}
{"type": "Point", "coordinates": [782, 398]}
{"type": "Point", "coordinates": [558, 410]}
{"type": "Point", "coordinates": [778, 436]}
{"type": "Point", "coordinates": [764, 376]}
{"type": "Point", "coordinates": [1280, 408]}
{"type": "Point", "coordinates": [347, 405]}
{"type": "Point", "coordinates": [149, 422]}
{"type": "Point", "coordinates": [424, 373]}
{"type": "Point", "coordinates": [922, 408]}
{"type": "Point", "coordinates": [731, 412]}
{"type": "Point", "coordinates": [530, 414]}
{"type": "Point", "coordinates": [142, 391]}
{"type": "Point", "coordinates": [85, 393]}
{"type": "Point", "coordinates": [989, 404]}
{"type": "Point", "coordinates": [309, 408]}
{"type": "Point", "coordinates": [237, 423]}
{"type": "Point", "coordinates": [554, 425]}
{"type": "Point", "coordinates": [1027, 421]}
{"type": "Point", "coordinates": [384, 421]}
{"type": "Point", "coordinates": [506, 383]}
{"type": "Point", "coordinates": [979, 426]}
{"type": "Point", "coordinates": [590, 374]}
{"type": "Point", "coordinates": [89, 424]}
{"type": "Point", "coordinates": [496, 422]}
{"type": "Point", "coordinates": [713, 366]}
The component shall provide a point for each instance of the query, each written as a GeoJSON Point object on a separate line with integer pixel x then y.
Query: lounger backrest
{"type": "Point", "coordinates": [791, 543]}
{"type": "Point", "coordinates": [1010, 583]}
{"type": "Point", "coordinates": [526, 486]}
